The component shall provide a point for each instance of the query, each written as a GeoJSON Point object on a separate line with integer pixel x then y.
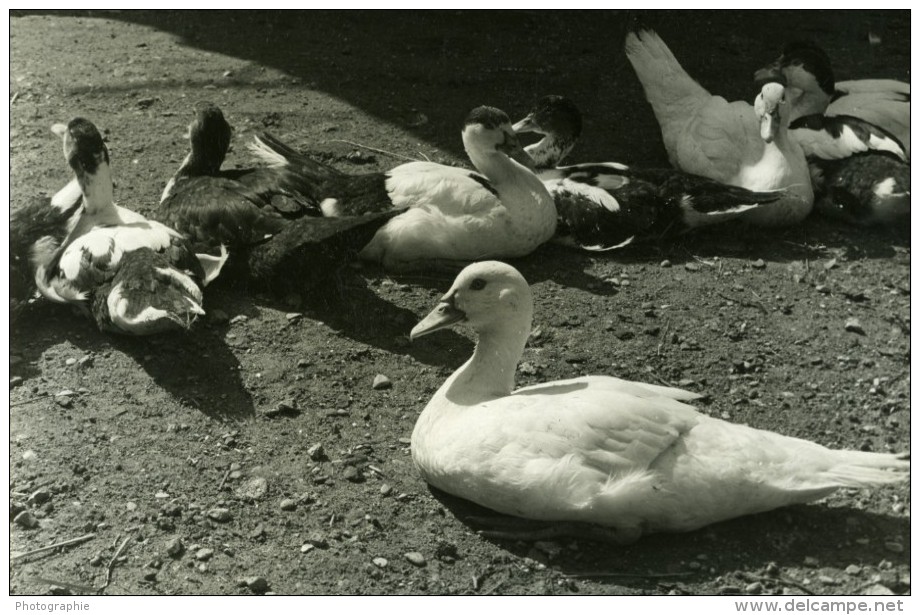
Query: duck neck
{"type": "Point", "coordinates": [549, 152]}
{"type": "Point", "coordinates": [98, 190]}
{"type": "Point", "coordinates": [806, 102]}
{"type": "Point", "coordinates": [195, 165]}
{"type": "Point", "coordinates": [489, 374]}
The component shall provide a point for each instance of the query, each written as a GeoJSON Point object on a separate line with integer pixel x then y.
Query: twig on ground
{"type": "Point", "coordinates": [87, 589]}
{"type": "Point", "coordinates": [108, 569]}
{"type": "Point", "coordinates": [376, 470]}
{"type": "Point", "coordinates": [223, 480]}
{"type": "Point", "coordinates": [64, 543]}
{"type": "Point", "coordinates": [378, 150]}
{"type": "Point", "coordinates": [750, 577]}
{"type": "Point", "coordinates": [14, 97]}
{"type": "Point", "coordinates": [30, 400]}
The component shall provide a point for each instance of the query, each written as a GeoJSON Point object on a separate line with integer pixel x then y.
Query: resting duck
{"type": "Point", "coordinates": [131, 274]}
{"type": "Point", "coordinates": [606, 205]}
{"type": "Point", "coordinates": [859, 171]}
{"type": "Point", "coordinates": [274, 230]}
{"type": "Point", "coordinates": [43, 221]}
{"type": "Point", "coordinates": [627, 455]}
{"type": "Point", "coordinates": [733, 143]}
{"type": "Point", "coordinates": [806, 70]}
{"type": "Point", "coordinates": [454, 215]}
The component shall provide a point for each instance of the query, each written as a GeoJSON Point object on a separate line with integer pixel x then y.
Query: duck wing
{"type": "Point", "coordinates": [674, 95]}
{"type": "Point", "coordinates": [718, 140]}
{"type": "Point", "coordinates": [214, 211]}
{"type": "Point", "coordinates": [149, 294]}
{"type": "Point", "coordinates": [889, 110]}
{"type": "Point", "coordinates": [833, 137]}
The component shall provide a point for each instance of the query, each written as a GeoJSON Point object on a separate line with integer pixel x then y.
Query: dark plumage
{"type": "Point", "coordinates": [864, 189]}
{"type": "Point", "coordinates": [268, 217]}
{"type": "Point", "coordinates": [606, 205]}
{"type": "Point", "coordinates": [36, 220]}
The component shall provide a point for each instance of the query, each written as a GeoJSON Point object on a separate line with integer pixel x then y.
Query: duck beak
{"type": "Point", "coordinates": [525, 125]}
{"type": "Point", "coordinates": [441, 317]}
{"type": "Point", "coordinates": [512, 148]}
{"type": "Point", "coordinates": [769, 124]}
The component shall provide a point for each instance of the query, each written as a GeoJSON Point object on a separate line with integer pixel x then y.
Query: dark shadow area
{"type": "Point", "coordinates": [785, 537]}
{"type": "Point", "coordinates": [396, 64]}
{"type": "Point", "coordinates": [196, 368]}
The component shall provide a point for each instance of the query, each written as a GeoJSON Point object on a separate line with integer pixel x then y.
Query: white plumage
{"type": "Point", "coordinates": [630, 456]}
{"type": "Point", "coordinates": [733, 143]}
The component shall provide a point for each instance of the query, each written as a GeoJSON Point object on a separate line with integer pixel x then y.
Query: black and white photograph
{"type": "Point", "coordinates": [460, 302]}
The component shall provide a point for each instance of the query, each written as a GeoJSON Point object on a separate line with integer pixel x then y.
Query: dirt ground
{"type": "Point", "coordinates": [253, 455]}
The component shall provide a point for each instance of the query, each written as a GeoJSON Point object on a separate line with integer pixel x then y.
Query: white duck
{"type": "Point", "coordinates": [454, 215]}
{"type": "Point", "coordinates": [733, 143]}
{"type": "Point", "coordinates": [626, 455]}
{"type": "Point", "coordinates": [806, 70]}
{"type": "Point", "coordinates": [132, 274]}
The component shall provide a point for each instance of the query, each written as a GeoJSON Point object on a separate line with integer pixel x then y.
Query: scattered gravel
{"type": "Point", "coordinates": [416, 559]}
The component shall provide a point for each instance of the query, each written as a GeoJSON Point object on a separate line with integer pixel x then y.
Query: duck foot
{"type": "Point", "coordinates": [512, 528]}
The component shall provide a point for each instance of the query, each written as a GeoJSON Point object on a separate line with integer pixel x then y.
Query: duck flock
{"type": "Point", "coordinates": [630, 457]}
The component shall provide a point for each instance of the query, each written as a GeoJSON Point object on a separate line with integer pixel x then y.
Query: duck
{"type": "Point", "coordinates": [630, 457]}
{"type": "Point", "coordinates": [860, 173]}
{"type": "Point", "coordinates": [42, 220]}
{"type": "Point", "coordinates": [806, 70]}
{"type": "Point", "coordinates": [604, 206]}
{"type": "Point", "coordinates": [735, 143]}
{"type": "Point", "coordinates": [452, 215]}
{"type": "Point", "coordinates": [277, 237]}
{"type": "Point", "coordinates": [130, 274]}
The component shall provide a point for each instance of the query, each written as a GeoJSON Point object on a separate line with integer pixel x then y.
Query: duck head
{"type": "Point", "coordinates": [209, 137]}
{"type": "Point", "coordinates": [559, 121]}
{"type": "Point", "coordinates": [769, 106]}
{"type": "Point", "coordinates": [487, 296]}
{"type": "Point", "coordinates": [88, 156]}
{"type": "Point", "coordinates": [488, 131]}
{"type": "Point", "coordinates": [802, 65]}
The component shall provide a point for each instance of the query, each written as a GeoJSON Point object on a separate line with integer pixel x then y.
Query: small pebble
{"type": "Point", "coordinates": [415, 558]}
{"type": "Point", "coordinates": [150, 575]}
{"type": "Point", "coordinates": [811, 562]}
{"type": "Point", "coordinates": [26, 519]}
{"type": "Point", "coordinates": [253, 489]}
{"type": "Point", "coordinates": [64, 401]}
{"type": "Point", "coordinates": [692, 267]}
{"type": "Point", "coordinates": [852, 570]}
{"type": "Point", "coordinates": [306, 547]}
{"type": "Point", "coordinates": [350, 473]}
{"type": "Point", "coordinates": [758, 264]}
{"type": "Point", "coordinates": [381, 562]}
{"type": "Point", "coordinates": [754, 588]}
{"type": "Point", "coordinates": [175, 548]}
{"type": "Point", "coordinates": [665, 263]}
{"type": "Point", "coordinates": [318, 540]}
{"type": "Point", "coordinates": [257, 585]}
{"type": "Point", "coordinates": [221, 515]}
{"type": "Point", "coordinates": [15, 381]}
{"type": "Point", "coordinates": [203, 555]}
{"type": "Point", "coordinates": [70, 362]}
{"type": "Point", "coordinates": [292, 316]}
{"type": "Point", "coordinates": [39, 497]}
{"type": "Point", "coordinates": [853, 326]}
{"type": "Point", "coordinates": [238, 319]}
{"type": "Point", "coordinates": [288, 504]}
{"type": "Point", "coordinates": [316, 452]}
{"type": "Point", "coordinates": [381, 382]}
{"type": "Point", "coordinates": [131, 506]}
{"type": "Point", "coordinates": [894, 546]}
{"type": "Point", "coordinates": [385, 489]}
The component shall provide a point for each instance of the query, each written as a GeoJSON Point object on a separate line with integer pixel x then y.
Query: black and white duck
{"type": "Point", "coordinates": [806, 70]}
{"type": "Point", "coordinates": [735, 143]}
{"type": "Point", "coordinates": [131, 274]}
{"type": "Point", "coordinates": [454, 215]}
{"type": "Point", "coordinates": [273, 228]}
{"type": "Point", "coordinates": [860, 172]}
{"type": "Point", "coordinates": [606, 205]}
{"type": "Point", "coordinates": [633, 457]}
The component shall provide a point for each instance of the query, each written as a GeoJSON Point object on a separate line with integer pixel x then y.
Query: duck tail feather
{"type": "Point", "coordinates": [858, 469]}
{"type": "Point", "coordinates": [276, 153]}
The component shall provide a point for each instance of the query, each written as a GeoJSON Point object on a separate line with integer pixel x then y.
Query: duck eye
{"type": "Point", "coordinates": [477, 284]}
